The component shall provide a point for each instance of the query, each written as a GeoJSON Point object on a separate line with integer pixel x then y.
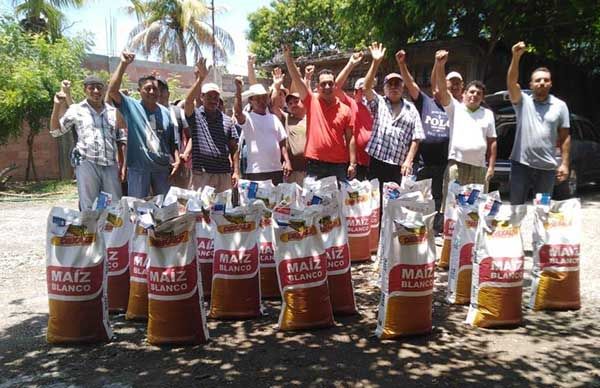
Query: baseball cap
{"type": "Point", "coordinates": [210, 87]}
{"type": "Point", "coordinates": [454, 74]}
{"type": "Point", "coordinates": [255, 90]}
{"type": "Point", "coordinates": [163, 82]}
{"type": "Point", "coordinates": [360, 83]}
{"type": "Point", "coordinates": [93, 79]}
{"type": "Point", "coordinates": [292, 95]}
{"type": "Point", "coordinates": [391, 76]}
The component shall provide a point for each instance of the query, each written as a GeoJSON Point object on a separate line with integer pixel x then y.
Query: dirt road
{"type": "Point", "coordinates": [549, 349]}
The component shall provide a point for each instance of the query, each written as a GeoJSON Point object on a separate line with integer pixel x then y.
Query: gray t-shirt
{"type": "Point", "coordinates": [537, 131]}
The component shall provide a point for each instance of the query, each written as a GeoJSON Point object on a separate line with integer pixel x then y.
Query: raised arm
{"type": "Point", "coordinates": [512, 77]}
{"type": "Point", "coordinates": [251, 71]}
{"type": "Point", "coordinates": [237, 103]}
{"type": "Point", "coordinates": [295, 73]}
{"type": "Point", "coordinates": [309, 70]}
{"type": "Point", "coordinates": [276, 101]}
{"type": "Point", "coordinates": [409, 81]}
{"type": "Point", "coordinates": [343, 75]}
{"type": "Point", "coordinates": [117, 78]}
{"type": "Point", "coordinates": [58, 110]}
{"type": "Point", "coordinates": [444, 96]}
{"type": "Point", "coordinates": [377, 53]}
{"type": "Point", "coordinates": [201, 71]}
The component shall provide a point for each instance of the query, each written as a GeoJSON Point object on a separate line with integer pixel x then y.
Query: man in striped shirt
{"type": "Point", "coordinates": [100, 144]}
{"type": "Point", "coordinates": [213, 134]}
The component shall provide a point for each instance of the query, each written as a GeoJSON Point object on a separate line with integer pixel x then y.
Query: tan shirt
{"type": "Point", "coordinates": [296, 141]}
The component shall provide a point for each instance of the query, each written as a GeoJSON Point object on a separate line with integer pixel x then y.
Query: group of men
{"type": "Point", "coordinates": [286, 135]}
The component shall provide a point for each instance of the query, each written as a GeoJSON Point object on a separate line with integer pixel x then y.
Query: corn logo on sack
{"type": "Point", "coordinates": [117, 233]}
{"type": "Point", "coordinates": [556, 250]}
{"type": "Point", "coordinates": [137, 305]}
{"type": "Point", "coordinates": [357, 210]}
{"type": "Point", "coordinates": [76, 275]}
{"type": "Point", "coordinates": [236, 280]}
{"type": "Point", "coordinates": [175, 308]}
{"type": "Point", "coordinates": [302, 272]}
{"type": "Point", "coordinates": [408, 270]}
{"type": "Point", "coordinates": [375, 215]}
{"type": "Point", "coordinates": [497, 282]}
{"type": "Point", "coordinates": [332, 226]}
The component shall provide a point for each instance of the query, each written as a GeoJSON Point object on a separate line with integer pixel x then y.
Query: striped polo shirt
{"type": "Point", "coordinates": [211, 135]}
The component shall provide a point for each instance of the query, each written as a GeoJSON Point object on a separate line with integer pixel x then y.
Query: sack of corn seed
{"type": "Point", "coordinates": [375, 214]}
{"type": "Point", "coordinates": [498, 257]}
{"type": "Point", "coordinates": [356, 197]}
{"type": "Point", "coordinates": [556, 250]}
{"type": "Point", "coordinates": [76, 274]}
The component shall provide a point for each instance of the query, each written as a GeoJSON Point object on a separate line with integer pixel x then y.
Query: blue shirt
{"type": "Point", "coordinates": [150, 136]}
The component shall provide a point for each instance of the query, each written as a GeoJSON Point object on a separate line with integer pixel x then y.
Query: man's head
{"type": "Point", "coordinates": [211, 94]}
{"type": "Point", "coordinates": [326, 84]}
{"type": "Point", "coordinates": [455, 84]}
{"type": "Point", "coordinates": [473, 95]}
{"type": "Point", "coordinates": [163, 88]}
{"type": "Point", "coordinates": [540, 83]}
{"type": "Point", "coordinates": [258, 98]}
{"type": "Point", "coordinates": [149, 91]}
{"type": "Point", "coordinates": [295, 105]}
{"type": "Point", "coordinates": [393, 87]}
{"type": "Point", "coordinates": [93, 87]}
{"type": "Point", "coordinates": [359, 88]}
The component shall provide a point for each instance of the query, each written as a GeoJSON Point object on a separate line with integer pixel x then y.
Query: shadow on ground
{"type": "Point", "coordinates": [254, 353]}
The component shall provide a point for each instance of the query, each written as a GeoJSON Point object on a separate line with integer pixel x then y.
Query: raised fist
{"type": "Point", "coordinates": [518, 48]}
{"type": "Point", "coordinates": [309, 71]}
{"type": "Point", "coordinates": [287, 51]}
{"type": "Point", "coordinates": [400, 56]}
{"type": "Point", "coordinates": [251, 59]}
{"type": "Point", "coordinates": [65, 86]}
{"type": "Point", "coordinates": [60, 98]}
{"type": "Point", "coordinates": [127, 57]}
{"type": "Point", "coordinates": [355, 58]}
{"type": "Point", "coordinates": [238, 82]}
{"type": "Point", "coordinates": [441, 56]}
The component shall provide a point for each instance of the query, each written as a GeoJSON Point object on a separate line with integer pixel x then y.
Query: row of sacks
{"type": "Point", "coordinates": [158, 258]}
{"type": "Point", "coordinates": [487, 257]}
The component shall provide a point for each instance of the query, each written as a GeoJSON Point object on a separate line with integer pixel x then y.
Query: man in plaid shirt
{"type": "Point", "coordinates": [100, 143]}
{"type": "Point", "coordinates": [397, 128]}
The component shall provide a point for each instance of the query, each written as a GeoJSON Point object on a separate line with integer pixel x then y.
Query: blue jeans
{"type": "Point", "coordinates": [140, 181]}
{"type": "Point", "coordinates": [524, 178]}
{"type": "Point", "coordinates": [318, 170]}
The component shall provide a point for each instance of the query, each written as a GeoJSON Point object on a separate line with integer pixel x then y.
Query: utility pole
{"type": "Point", "coordinates": [212, 8]}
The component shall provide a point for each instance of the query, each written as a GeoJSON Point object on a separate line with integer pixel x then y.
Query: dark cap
{"type": "Point", "coordinates": [92, 80]}
{"type": "Point", "coordinates": [163, 82]}
{"type": "Point", "coordinates": [292, 95]}
{"type": "Point", "coordinates": [392, 76]}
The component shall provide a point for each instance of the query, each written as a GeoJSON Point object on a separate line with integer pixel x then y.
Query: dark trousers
{"type": "Point", "coordinates": [275, 176]}
{"type": "Point", "coordinates": [436, 173]}
{"type": "Point", "coordinates": [318, 170]}
{"type": "Point", "coordinates": [524, 178]}
{"type": "Point", "coordinates": [385, 172]}
{"type": "Point", "coordinates": [362, 172]}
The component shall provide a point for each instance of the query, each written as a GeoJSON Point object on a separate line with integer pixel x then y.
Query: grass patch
{"type": "Point", "coordinates": [62, 188]}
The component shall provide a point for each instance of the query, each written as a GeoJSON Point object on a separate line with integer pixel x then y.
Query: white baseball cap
{"type": "Point", "coordinates": [255, 90]}
{"type": "Point", "coordinates": [454, 74]}
{"type": "Point", "coordinates": [360, 83]}
{"type": "Point", "coordinates": [210, 87]}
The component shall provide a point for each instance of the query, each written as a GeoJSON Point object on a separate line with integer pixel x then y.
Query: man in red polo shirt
{"type": "Point", "coordinates": [330, 146]}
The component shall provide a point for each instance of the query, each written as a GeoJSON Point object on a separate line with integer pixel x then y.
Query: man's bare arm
{"type": "Point", "coordinates": [406, 168]}
{"type": "Point", "coordinates": [512, 77]}
{"type": "Point", "coordinates": [117, 78]}
{"type": "Point", "coordinates": [201, 71]}
{"type": "Point", "coordinates": [444, 96]}
{"type": "Point", "coordinates": [409, 81]}
{"type": "Point", "coordinates": [251, 71]}
{"type": "Point", "coordinates": [343, 75]}
{"type": "Point", "coordinates": [237, 103]}
{"type": "Point", "coordinates": [295, 73]}
{"type": "Point", "coordinates": [377, 54]}
{"type": "Point", "coordinates": [564, 140]}
{"type": "Point", "coordinates": [492, 150]}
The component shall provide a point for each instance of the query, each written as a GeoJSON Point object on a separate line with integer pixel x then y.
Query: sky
{"type": "Point", "coordinates": [95, 16]}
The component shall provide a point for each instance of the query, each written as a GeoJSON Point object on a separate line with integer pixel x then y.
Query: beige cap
{"type": "Point", "coordinates": [255, 90]}
{"type": "Point", "coordinates": [454, 74]}
{"type": "Point", "coordinates": [210, 87]}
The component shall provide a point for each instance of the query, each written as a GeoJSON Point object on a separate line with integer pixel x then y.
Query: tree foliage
{"type": "Point", "coordinates": [44, 16]}
{"type": "Point", "coordinates": [33, 69]}
{"type": "Point", "coordinates": [171, 28]}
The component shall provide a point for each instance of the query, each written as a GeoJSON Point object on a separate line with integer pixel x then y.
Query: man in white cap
{"type": "Point", "coordinates": [264, 135]}
{"type": "Point", "coordinates": [363, 120]}
{"type": "Point", "coordinates": [214, 137]}
{"type": "Point", "coordinates": [397, 128]}
{"type": "Point", "coordinates": [455, 85]}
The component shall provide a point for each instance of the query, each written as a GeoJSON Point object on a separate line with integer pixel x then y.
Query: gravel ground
{"type": "Point", "coordinates": [549, 349]}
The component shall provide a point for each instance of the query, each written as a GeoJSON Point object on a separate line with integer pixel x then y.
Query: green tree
{"type": "Point", "coordinates": [171, 28]}
{"type": "Point", "coordinates": [33, 69]}
{"type": "Point", "coordinates": [44, 16]}
{"type": "Point", "coordinates": [311, 26]}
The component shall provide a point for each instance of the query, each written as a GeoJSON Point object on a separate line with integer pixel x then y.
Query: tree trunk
{"type": "Point", "coordinates": [30, 161]}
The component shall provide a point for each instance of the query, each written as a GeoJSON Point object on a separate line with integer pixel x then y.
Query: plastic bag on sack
{"type": "Point", "coordinates": [181, 197]}
{"type": "Point", "coordinates": [76, 274]}
{"type": "Point", "coordinates": [302, 271]}
{"type": "Point", "coordinates": [450, 214]}
{"type": "Point", "coordinates": [556, 250]}
{"type": "Point", "coordinates": [498, 258]}
{"type": "Point", "coordinates": [289, 194]}
{"type": "Point", "coordinates": [357, 210]}
{"type": "Point", "coordinates": [408, 269]}
{"type": "Point", "coordinates": [175, 309]}
{"type": "Point", "coordinates": [313, 190]}
{"type": "Point", "coordinates": [332, 225]}
{"type": "Point", "coordinates": [375, 214]}
{"type": "Point", "coordinates": [461, 253]}
{"type": "Point", "coordinates": [117, 232]}
{"type": "Point", "coordinates": [236, 281]}
{"type": "Point", "coordinates": [137, 305]}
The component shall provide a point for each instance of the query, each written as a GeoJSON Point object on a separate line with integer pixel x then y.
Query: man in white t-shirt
{"type": "Point", "coordinates": [264, 136]}
{"type": "Point", "coordinates": [472, 131]}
